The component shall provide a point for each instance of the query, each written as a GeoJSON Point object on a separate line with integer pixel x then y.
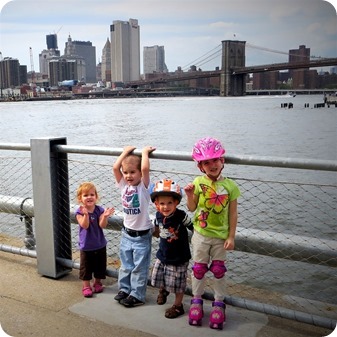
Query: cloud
{"type": "Point", "coordinates": [221, 25]}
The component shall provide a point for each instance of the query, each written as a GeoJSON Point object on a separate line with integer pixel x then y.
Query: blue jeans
{"type": "Point", "coordinates": [135, 256]}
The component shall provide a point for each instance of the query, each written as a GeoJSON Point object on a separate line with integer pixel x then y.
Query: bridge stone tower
{"type": "Point", "coordinates": [233, 55]}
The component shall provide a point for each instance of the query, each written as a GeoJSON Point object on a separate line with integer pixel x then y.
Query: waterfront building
{"type": "Point", "coordinates": [106, 62]}
{"type": "Point", "coordinates": [303, 78]}
{"type": "Point", "coordinates": [125, 51]}
{"type": "Point", "coordinates": [66, 68]}
{"type": "Point", "coordinates": [302, 54]}
{"type": "Point", "coordinates": [266, 80]}
{"type": "Point", "coordinates": [9, 72]}
{"type": "Point", "coordinates": [99, 72]}
{"type": "Point", "coordinates": [154, 60]}
{"type": "Point", "coordinates": [51, 40]}
{"type": "Point", "coordinates": [47, 54]}
{"type": "Point", "coordinates": [23, 74]}
{"type": "Point", "coordinates": [85, 50]}
{"type": "Point", "coordinates": [44, 58]}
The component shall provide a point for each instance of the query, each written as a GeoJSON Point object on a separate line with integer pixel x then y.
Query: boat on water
{"type": "Point", "coordinates": [291, 94]}
{"type": "Point", "coordinates": [331, 99]}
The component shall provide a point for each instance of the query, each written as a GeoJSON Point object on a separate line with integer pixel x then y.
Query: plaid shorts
{"type": "Point", "coordinates": [172, 278]}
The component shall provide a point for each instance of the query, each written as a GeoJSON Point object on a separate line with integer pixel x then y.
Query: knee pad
{"type": "Point", "coordinates": [218, 268]}
{"type": "Point", "coordinates": [199, 270]}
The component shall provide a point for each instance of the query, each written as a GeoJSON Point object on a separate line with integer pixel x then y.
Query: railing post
{"type": "Point", "coordinates": [51, 206]}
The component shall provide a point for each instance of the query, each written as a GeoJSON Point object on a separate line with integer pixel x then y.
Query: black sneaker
{"type": "Point", "coordinates": [121, 295]}
{"type": "Point", "coordinates": [131, 301]}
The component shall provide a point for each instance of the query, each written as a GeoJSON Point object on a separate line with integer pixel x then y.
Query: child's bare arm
{"type": "Point", "coordinates": [192, 199]}
{"type": "Point", "coordinates": [103, 219]}
{"type": "Point", "coordinates": [116, 168]}
{"type": "Point", "coordinates": [146, 164]}
{"type": "Point", "coordinates": [83, 218]}
{"type": "Point", "coordinates": [233, 220]}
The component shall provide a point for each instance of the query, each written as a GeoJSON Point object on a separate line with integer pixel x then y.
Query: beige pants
{"type": "Point", "coordinates": [205, 250]}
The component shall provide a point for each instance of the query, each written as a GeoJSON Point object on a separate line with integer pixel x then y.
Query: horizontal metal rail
{"type": "Point", "coordinates": [254, 241]}
{"type": "Point", "coordinates": [268, 309]}
{"type": "Point", "coordinates": [249, 160]}
{"type": "Point", "coordinates": [16, 205]}
{"type": "Point", "coordinates": [15, 146]}
{"type": "Point", "coordinates": [306, 164]}
{"type": "Point", "coordinates": [18, 251]}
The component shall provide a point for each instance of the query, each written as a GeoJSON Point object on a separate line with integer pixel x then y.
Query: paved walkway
{"type": "Point", "coordinates": [32, 305]}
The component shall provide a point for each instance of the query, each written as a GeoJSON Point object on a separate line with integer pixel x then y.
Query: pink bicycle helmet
{"type": "Point", "coordinates": [207, 148]}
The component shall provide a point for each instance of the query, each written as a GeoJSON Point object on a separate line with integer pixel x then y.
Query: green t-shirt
{"type": "Point", "coordinates": [211, 218]}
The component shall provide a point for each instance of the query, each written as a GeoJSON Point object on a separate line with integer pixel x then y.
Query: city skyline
{"type": "Point", "coordinates": [187, 30]}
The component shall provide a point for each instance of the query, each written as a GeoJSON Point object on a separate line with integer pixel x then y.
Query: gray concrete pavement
{"type": "Point", "coordinates": [32, 305]}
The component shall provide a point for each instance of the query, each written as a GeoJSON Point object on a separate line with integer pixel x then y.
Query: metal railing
{"type": "Point", "coordinates": [286, 250]}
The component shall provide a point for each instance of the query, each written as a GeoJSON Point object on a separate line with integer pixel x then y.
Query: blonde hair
{"type": "Point", "coordinates": [133, 160]}
{"type": "Point", "coordinates": [84, 188]}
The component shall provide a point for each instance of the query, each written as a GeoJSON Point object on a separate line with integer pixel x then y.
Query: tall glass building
{"type": "Point", "coordinates": [106, 62]}
{"type": "Point", "coordinates": [87, 51]}
{"type": "Point", "coordinates": [125, 51]}
{"type": "Point", "coordinates": [51, 40]}
{"type": "Point", "coordinates": [154, 60]}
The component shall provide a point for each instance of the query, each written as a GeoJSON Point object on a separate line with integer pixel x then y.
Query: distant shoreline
{"type": "Point", "coordinates": [143, 93]}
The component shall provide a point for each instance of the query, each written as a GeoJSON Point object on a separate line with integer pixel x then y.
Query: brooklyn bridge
{"type": "Point", "coordinates": [233, 72]}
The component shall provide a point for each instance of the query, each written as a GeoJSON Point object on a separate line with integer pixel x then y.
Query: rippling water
{"type": "Point", "coordinates": [251, 125]}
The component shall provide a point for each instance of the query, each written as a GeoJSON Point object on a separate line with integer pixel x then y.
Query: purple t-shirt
{"type": "Point", "coordinates": [92, 238]}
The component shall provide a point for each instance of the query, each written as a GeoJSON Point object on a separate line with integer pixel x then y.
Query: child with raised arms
{"type": "Point", "coordinates": [132, 174]}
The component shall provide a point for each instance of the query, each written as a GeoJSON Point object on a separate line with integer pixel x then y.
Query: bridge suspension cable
{"type": "Point", "coordinates": [249, 45]}
{"type": "Point", "coordinates": [205, 58]}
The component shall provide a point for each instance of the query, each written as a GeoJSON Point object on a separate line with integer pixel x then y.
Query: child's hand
{"type": "Point", "coordinates": [148, 149]}
{"type": "Point", "coordinates": [128, 149]}
{"type": "Point", "coordinates": [229, 244]}
{"type": "Point", "coordinates": [156, 232]}
{"type": "Point", "coordinates": [108, 211]}
{"type": "Point", "coordinates": [83, 210]}
{"type": "Point", "coordinates": [189, 190]}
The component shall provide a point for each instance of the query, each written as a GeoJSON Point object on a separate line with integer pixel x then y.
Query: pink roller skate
{"type": "Point", "coordinates": [217, 318]}
{"type": "Point", "coordinates": [196, 312]}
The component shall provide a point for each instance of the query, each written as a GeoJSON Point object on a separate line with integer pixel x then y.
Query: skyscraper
{"type": "Point", "coordinates": [87, 51]}
{"type": "Point", "coordinates": [299, 76]}
{"type": "Point", "coordinates": [154, 60]}
{"type": "Point", "coordinates": [66, 68]}
{"type": "Point", "coordinates": [48, 53]}
{"type": "Point", "coordinates": [51, 40]}
{"type": "Point", "coordinates": [125, 51]}
{"type": "Point", "coordinates": [106, 62]}
{"type": "Point", "coordinates": [10, 72]}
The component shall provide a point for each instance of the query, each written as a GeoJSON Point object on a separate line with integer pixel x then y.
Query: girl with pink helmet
{"type": "Point", "coordinates": [213, 199]}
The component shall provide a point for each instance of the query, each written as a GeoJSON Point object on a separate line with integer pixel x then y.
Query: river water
{"type": "Point", "coordinates": [251, 125]}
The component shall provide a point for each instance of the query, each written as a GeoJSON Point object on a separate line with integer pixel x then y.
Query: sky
{"type": "Point", "coordinates": [191, 31]}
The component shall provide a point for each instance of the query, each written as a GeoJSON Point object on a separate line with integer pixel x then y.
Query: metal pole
{"type": "Point", "coordinates": [1, 73]}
